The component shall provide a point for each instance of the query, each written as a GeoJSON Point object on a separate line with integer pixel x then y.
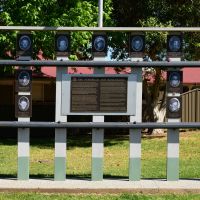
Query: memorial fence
{"type": "Point", "coordinates": [98, 125]}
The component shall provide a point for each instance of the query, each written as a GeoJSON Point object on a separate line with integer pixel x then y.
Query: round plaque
{"type": "Point", "coordinates": [23, 103]}
{"type": "Point", "coordinates": [24, 78]}
{"type": "Point", "coordinates": [174, 105]}
{"type": "Point", "coordinates": [137, 43]}
{"type": "Point", "coordinates": [24, 43]}
{"type": "Point", "coordinates": [175, 43]}
{"type": "Point", "coordinates": [62, 43]}
{"type": "Point", "coordinates": [174, 79]}
{"type": "Point", "coordinates": [99, 43]}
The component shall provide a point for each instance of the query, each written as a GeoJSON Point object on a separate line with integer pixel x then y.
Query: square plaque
{"type": "Point", "coordinates": [98, 94]}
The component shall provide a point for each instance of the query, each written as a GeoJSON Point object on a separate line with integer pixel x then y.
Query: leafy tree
{"type": "Point", "coordinates": [156, 13]}
{"type": "Point", "coordinates": [51, 13]}
{"type": "Point", "coordinates": [181, 13]}
{"type": "Point", "coordinates": [116, 13]}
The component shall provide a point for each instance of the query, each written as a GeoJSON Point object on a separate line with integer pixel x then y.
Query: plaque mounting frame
{"type": "Point", "coordinates": [66, 93]}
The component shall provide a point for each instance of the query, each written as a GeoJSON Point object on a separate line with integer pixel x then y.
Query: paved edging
{"type": "Point", "coordinates": [105, 186]}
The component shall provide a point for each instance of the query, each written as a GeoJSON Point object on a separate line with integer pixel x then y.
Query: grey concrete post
{"type": "Point", "coordinates": [173, 146]}
{"type": "Point", "coordinates": [98, 139]}
{"type": "Point", "coordinates": [23, 151]}
{"type": "Point", "coordinates": [60, 134]}
{"type": "Point", "coordinates": [135, 134]}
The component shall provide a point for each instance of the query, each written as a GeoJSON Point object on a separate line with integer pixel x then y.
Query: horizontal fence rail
{"type": "Point", "coordinates": [129, 125]}
{"type": "Point", "coordinates": [99, 63]}
{"type": "Point", "coordinates": [111, 29]}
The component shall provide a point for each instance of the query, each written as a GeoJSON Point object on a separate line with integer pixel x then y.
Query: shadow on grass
{"type": "Point", "coordinates": [77, 140]}
{"type": "Point", "coordinates": [87, 142]}
{"type": "Point", "coordinates": [78, 176]}
{"type": "Point", "coordinates": [73, 141]}
{"type": "Point", "coordinates": [87, 177]}
{"type": "Point", "coordinates": [8, 142]}
{"type": "Point", "coordinates": [41, 176]}
{"type": "Point", "coordinates": [68, 176]}
{"type": "Point", "coordinates": [8, 176]}
{"type": "Point", "coordinates": [150, 137]}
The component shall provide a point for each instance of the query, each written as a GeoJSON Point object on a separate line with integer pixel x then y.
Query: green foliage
{"type": "Point", "coordinates": [155, 41]}
{"type": "Point", "coordinates": [164, 13]}
{"type": "Point", "coordinates": [157, 13]}
{"type": "Point", "coordinates": [51, 13]}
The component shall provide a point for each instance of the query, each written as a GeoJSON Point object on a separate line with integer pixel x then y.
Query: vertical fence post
{"type": "Point", "coordinates": [173, 154]}
{"type": "Point", "coordinates": [23, 133]}
{"type": "Point", "coordinates": [60, 155]}
{"type": "Point", "coordinates": [98, 138]}
{"type": "Point", "coordinates": [97, 150]}
{"type": "Point", "coordinates": [60, 134]}
{"type": "Point", "coordinates": [135, 155]}
{"type": "Point", "coordinates": [136, 53]}
{"type": "Point", "coordinates": [135, 134]}
{"type": "Point", "coordinates": [23, 151]}
{"type": "Point", "coordinates": [173, 134]}
{"type": "Point", "coordinates": [98, 134]}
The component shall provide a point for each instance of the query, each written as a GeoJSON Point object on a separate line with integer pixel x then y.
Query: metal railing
{"type": "Point", "coordinates": [104, 125]}
{"type": "Point", "coordinates": [110, 29]}
{"type": "Point", "coordinates": [87, 63]}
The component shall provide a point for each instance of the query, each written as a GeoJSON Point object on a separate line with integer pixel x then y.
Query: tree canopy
{"type": "Point", "coordinates": [51, 13]}
{"type": "Point", "coordinates": [177, 13]}
{"type": "Point", "coordinates": [156, 13]}
{"type": "Point", "coordinates": [85, 13]}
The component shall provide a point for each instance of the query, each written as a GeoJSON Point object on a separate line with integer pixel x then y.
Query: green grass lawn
{"type": "Point", "coordinates": [115, 163]}
{"type": "Point", "coordinates": [115, 156]}
{"type": "Point", "coordinates": [36, 196]}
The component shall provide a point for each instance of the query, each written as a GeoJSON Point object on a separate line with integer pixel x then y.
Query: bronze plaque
{"type": "Point", "coordinates": [174, 81]}
{"type": "Point", "coordinates": [23, 80]}
{"type": "Point", "coordinates": [101, 94]}
{"type": "Point", "coordinates": [23, 106]}
{"type": "Point", "coordinates": [174, 107]}
{"type": "Point", "coordinates": [24, 44]}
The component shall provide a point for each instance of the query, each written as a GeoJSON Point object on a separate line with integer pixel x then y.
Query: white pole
{"type": "Point", "coordinates": [98, 134]}
{"type": "Point", "coordinates": [100, 20]}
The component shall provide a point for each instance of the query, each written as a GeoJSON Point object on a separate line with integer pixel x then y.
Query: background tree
{"type": "Point", "coordinates": [116, 13]}
{"type": "Point", "coordinates": [156, 13]}
{"type": "Point", "coordinates": [51, 13]}
{"type": "Point", "coordinates": [183, 13]}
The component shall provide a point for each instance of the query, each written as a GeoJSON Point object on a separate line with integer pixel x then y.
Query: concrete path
{"type": "Point", "coordinates": [105, 186]}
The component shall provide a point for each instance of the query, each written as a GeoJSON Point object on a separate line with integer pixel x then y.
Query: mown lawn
{"type": "Point", "coordinates": [115, 164]}
{"type": "Point", "coordinates": [115, 156]}
{"type": "Point", "coordinates": [36, 196]}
